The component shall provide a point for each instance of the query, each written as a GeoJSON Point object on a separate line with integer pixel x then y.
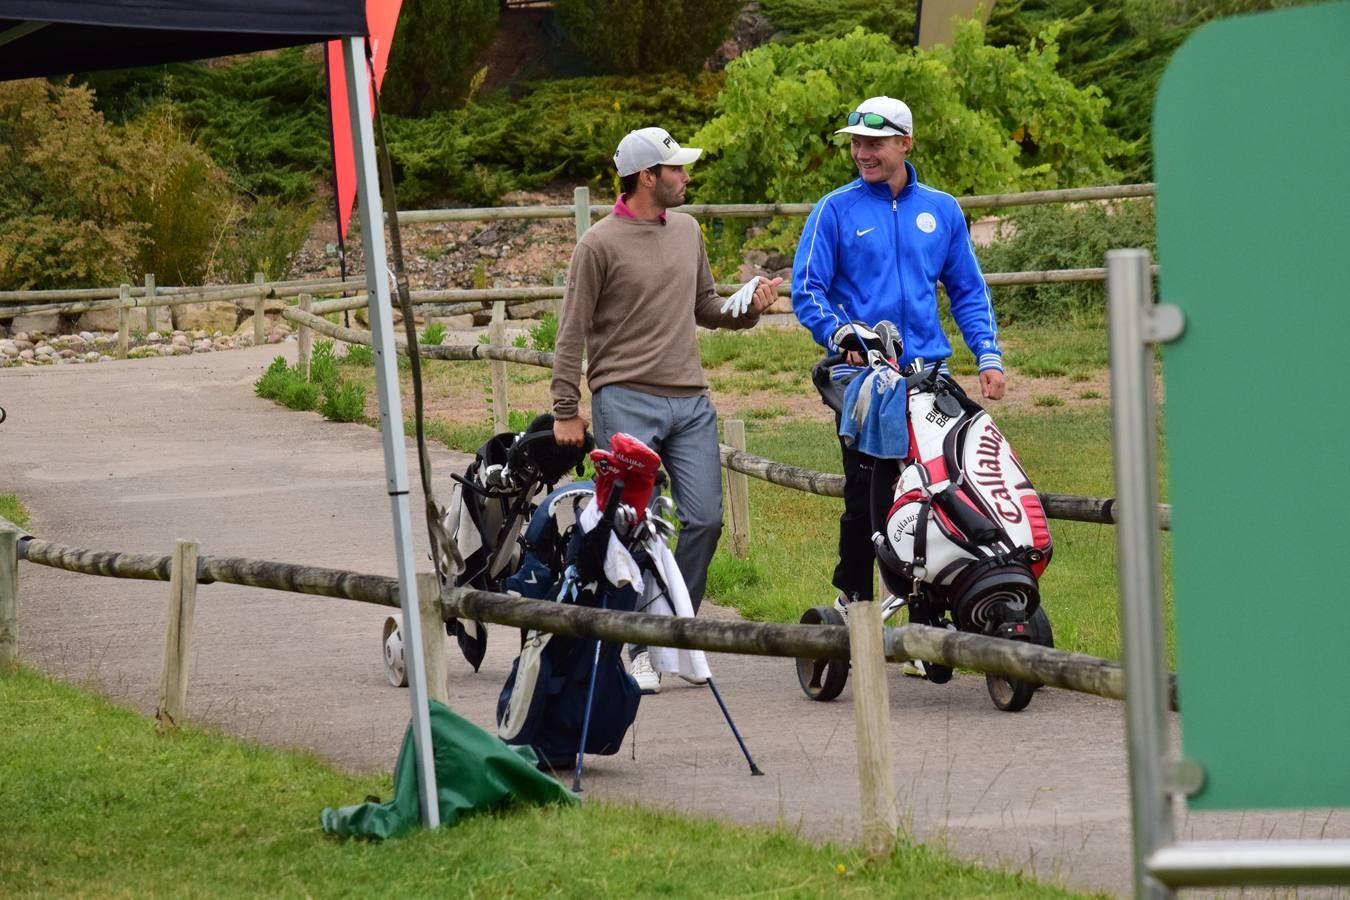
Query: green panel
{"type": "Point", "coordinates": [1251, 131]}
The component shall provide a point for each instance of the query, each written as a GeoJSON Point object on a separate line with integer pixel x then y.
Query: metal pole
{"type": "Point", "coordinates": [391, 412]}
{"type": "Point", "coordinates": [1129, 296]}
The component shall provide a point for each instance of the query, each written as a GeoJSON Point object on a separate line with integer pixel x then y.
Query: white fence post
{"type": "Point", "coordinates": [9, 600]}
{"type": "Point", "coordinates": [259, 304]}
{"type": "Point", "coordinates": [306, 338]}
{"type": "Point", "coordinates": [124, 319]}
{"type": "Point", "coordinates": [497, 337]}
{"type": "Point", "coordinates": [151, 312]}
{"type": "Point", "coordinates": [738, 493]}
{"type": "Point", "coordinates": [182, 606]}
{"type": "Point", "coordinates": [433, 637]}
{"type": "Point", "coordinates": [871, 712]}
{"type": "Point", "coordinates": [581, 202]}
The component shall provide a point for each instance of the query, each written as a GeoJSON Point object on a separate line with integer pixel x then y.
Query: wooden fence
{"type": "Point", "coordinates": [863, 642]}
{"type": "Point", "coordinates": [453, 302]}
{"type": "Point", "coordinates": [186, 568]}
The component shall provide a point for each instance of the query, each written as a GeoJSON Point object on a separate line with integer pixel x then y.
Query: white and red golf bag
{"type": "Point", "coordinates": [965, 527]}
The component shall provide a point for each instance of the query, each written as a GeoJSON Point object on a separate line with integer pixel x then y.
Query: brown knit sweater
{"type": "Point", "coordinates": [636, 290]}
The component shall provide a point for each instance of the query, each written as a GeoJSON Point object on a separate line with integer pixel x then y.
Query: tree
{"type": "Point", "coordinates": [66, 182]}
{"type": "Point", "coordinates": [433, 53]}
{"type": "Point", "coordinates": [644, 36]}
{"type": "Point", "coordinates": [975, 107]}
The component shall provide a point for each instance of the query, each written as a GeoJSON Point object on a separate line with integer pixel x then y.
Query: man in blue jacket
{"type": "Point", "coordinates": [875, 250]}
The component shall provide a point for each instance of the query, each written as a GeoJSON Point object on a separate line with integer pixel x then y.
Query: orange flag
{"type": "Point", "coordinates": [381, 19]}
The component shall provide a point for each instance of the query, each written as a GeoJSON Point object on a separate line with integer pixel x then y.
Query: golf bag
{"type": "Point", "coordinates": [964, 530]}
{"type": "Point", "coordinates": [488, 505]}
{"type": "Point", "coordinates": [561, 689]}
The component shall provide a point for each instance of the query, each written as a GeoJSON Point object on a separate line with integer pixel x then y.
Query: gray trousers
{"type": "Point", "coordinates": [683, 430]}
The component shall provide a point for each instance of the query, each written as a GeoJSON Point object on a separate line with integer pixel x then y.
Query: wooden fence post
{"type": "Point", "coordinates": [738, 493]}
{"type": "Point", "coordinates": [259, 303]}
{"type": "Point", "coordinates": [581, 200]}
{"type": "Point", "coordinates": [124, 319]}
{"type": "Point", "coordinates": [9, 600]}
{"type": "Point", "coordinates": [497, 337]}
{"type": "Point", "coordinates": [433, 637]}
{"type": "Point", "coordinates": [182, 606]}
{"type": "Point", "coordinates": [306, 338]}
{"type": "Point", "coordinates": [871, 713]}
{"type": "Point", "coordinates": [151, 312]}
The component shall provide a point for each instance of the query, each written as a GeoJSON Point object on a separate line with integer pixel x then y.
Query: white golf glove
{"type": "Point", "coordinates": [739, 302]}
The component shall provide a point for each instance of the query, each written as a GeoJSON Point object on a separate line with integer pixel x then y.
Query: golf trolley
{"type": "Point", "coordinates": [960, 535]}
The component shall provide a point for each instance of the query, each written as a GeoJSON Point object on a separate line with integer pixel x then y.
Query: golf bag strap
{"type": "Point", "coordinates": [921, 536]}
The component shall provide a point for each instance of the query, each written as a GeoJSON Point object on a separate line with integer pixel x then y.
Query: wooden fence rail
{"type": "Point", "coordinates": [78, 300]}
{"type": "Point", "coordinates": [1012, 659]}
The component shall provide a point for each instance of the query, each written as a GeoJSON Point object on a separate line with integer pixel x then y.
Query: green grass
{"type": "Point", "coordinates": [12, 509]}
{"type": "Point", "coordinates": [95, 803]}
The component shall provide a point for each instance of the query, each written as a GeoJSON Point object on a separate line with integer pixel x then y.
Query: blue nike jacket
{"type": "Point", "coordinates": [880, 258]}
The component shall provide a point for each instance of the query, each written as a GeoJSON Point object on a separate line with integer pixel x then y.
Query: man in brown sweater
{"type": "Point", "coordinates": [638, 286]}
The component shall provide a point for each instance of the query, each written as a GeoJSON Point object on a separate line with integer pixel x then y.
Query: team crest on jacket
{"type": "Point", "coordinates": [926, 223]}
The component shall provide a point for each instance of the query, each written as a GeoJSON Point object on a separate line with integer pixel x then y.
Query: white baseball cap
{"type": "Point", "coordinates": [879, 117]}
{"type": "Point", "coordinates": [649, 147]}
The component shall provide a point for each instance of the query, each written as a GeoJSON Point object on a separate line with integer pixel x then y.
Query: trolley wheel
{"type": "Point", "coordinates": [822, 679]}
{"type": "Point", "coordinates": [1041, 632]}
{"type": "Point", "coordinates": [392, 644]}
{"type": "Point", "coordinates": [1009, 694]}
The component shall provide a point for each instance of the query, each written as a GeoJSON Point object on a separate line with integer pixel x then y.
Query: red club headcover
{"type": "Point", "coordinates": [630, 461]}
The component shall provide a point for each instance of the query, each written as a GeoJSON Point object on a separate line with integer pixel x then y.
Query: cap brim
{"type": "Point", "coordinates": [870, 132]}
{"type": "Point", "coordinates": [683, 157]}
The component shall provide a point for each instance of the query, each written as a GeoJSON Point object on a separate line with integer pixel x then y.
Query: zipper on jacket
{"type": "Point", "coordinates": [895, 225]}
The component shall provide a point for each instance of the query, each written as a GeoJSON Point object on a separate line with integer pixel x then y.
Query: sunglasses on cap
{"type": "Point", "coordinates": [874, 120]}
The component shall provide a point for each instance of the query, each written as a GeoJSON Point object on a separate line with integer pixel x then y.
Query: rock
{"type": "Point", "coordinates": [47, 323]}
{"type": "Point", "coordinates": [199, 334]}
{"type": "Point", "coordinates": [180, 339]}
{"type": "Point", "coordinates": [216, 315]}
{"type": "Point", "coordinates": [67, 354]}
{"type": "Point", "coordinates": [105, 340]}
{"type": "Point", "coordinates": [166, 350]}
{"type": "Point", "coordinates": [154, 337]}
{"type": "Point", "coordinates": [9, 348]}
{"type": "Point", "coordinates": [457, 323]}
{"type": "Point", "coordinates": [532, 310]}
{"type": "Point", "coordinates": [92, 356]}
{"type": "Point", "coordinates": [98, 320]}
{"type": "Point", "coordinates": [22, 342]}
{"type": "Point", "coordinates": [20, 336]}
{"type": "Point", "coordinates": [27, 355]}
{"type": "Point", "coordinates": [44, 350]}
{"type": "Point", "coordinates": [776, 261]}
{"type": "Point", "coordinates": [199, 348]}
{"type": "Point", "coordinates": [87, 337]}
{"type": "Point", "coordinates": [275, 338]}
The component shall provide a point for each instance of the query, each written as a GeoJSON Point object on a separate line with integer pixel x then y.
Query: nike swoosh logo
{"type": "Point", "coordinates": [865, 231]}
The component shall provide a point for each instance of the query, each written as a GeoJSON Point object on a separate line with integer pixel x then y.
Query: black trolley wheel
{"type": "Point", "coordinates": [1009, 694]}
{"type": "Point", "coordinates": [822, 679]}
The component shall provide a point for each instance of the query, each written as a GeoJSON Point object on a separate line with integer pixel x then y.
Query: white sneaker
{"type": "Point", "coordinates": [694, 680]}
{"type": "Point", "coordinates": [841, 607]}
{"type": "Point", "coordinates": [648, 679]}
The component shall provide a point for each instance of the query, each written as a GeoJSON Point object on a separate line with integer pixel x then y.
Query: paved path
{"type": "Point", "coordinates": [133, 455]}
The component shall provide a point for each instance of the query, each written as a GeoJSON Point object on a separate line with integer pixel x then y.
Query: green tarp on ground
{"type": "Point", "coordinates": [475, 772]}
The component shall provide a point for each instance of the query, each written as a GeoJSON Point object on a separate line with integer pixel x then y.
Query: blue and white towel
{"type": "Point", "coordinates": [875, 419]}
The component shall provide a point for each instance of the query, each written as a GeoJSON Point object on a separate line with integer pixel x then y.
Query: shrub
{"type": "Point", "coordinates": [185, 202]}
{"type": "Point", "coordinates": [813, 20]}
{"type": "Point", "coordinates": [262, 236]}
{"type": "Point", "coordinates": [538, 132]}
{"type": "Point", "coordinates": [544, 336]}
{"type": "Point", "coordinates": [1037, 238]}
{"type": "Point", "coordinates": [433, 334]}
{"type": "Point", "coordinates": [270, 384]}
{"type": "Point", "coordinates": [66, 183]}
{"type": "Point", "coordinates": [358, 355]}
{"type": "Point", "coordinates": [343, 401]}
{"type": "Point", "coordinates": [639, 36]}
{"type": "Point", "coordinates": [323, 364]}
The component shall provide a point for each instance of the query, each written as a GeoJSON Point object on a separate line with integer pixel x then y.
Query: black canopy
{"type": "Point", "coordinates": [58, 37]}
